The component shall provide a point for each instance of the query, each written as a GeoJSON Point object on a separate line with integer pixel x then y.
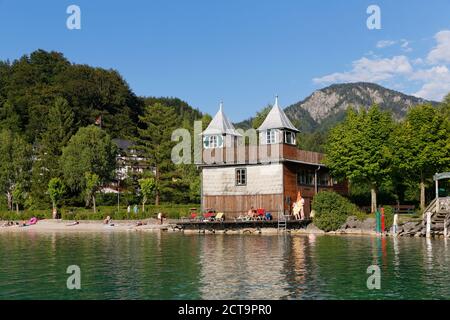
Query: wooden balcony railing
{"type": "Point", "coordinates": [252, 154]}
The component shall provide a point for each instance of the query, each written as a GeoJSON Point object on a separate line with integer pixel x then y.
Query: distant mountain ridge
{"type": "Point", "coordinates": [326, 107]}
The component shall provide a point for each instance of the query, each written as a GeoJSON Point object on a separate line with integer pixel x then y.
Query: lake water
{"type": "Point", "coordinates": [180, 266]}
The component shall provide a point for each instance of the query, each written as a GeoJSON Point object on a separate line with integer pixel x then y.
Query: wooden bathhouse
{"type": "Point", "coordinates": [260, 168]}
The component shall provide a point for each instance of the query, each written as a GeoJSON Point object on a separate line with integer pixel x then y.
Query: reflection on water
{"type": "Point", "coordinates": [177, 266]}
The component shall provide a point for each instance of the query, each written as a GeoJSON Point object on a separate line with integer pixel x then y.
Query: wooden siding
{"type": "Point", "coordinates": [291, 186]}
{"type": "Point", "coordinates": [234, 206]}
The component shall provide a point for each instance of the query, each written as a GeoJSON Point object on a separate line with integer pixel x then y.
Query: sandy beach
{"type": "Point", "coordinates": [84, 226]}
{"type": "Point", "coordinates": [152, 225]}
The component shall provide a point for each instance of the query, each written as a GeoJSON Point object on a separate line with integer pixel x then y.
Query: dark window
{"type": "Point", "coordinates": [241, 177]}
{"type": "Point", "coordinates": [324, 179]}
{"type": "Point", "coordinates": [289, 137]}
{"type": "Point", "coordinates": [305, 177]}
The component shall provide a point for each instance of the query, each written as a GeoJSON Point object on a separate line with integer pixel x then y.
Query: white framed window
{"type": "Point", "coordinates": [289, 137]}
{"type": "Point", "coordinates": [271, 136]}
{"type": "Point", "coordinates": [211, 142]}
{"type": "Point", "coordinates": [241, 176]}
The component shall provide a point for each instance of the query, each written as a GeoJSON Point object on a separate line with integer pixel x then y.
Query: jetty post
{"type": "Point", "coordinates": [428, 224]}
{"type": "Point", "coordinates": [395, 224]}
{"type": "Point", "coordinates": [446, 226]}
{"type": "Point", "coordinates": [378, 221]}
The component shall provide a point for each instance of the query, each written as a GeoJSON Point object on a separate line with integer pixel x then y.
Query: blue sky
{"type": "Point", "coordinates": [244, 52]}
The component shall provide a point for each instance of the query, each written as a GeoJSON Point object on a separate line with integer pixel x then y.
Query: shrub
{"type": "Point", "coordinates": [332, 210]}
{"type": "Point", "coordinates": [388, 216]}
{"type": "Point", "coordinates": [76, 213]}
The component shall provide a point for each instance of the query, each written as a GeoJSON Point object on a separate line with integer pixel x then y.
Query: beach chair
{"type": "Point", "coordinates": [260, 214]}
{"type": "Point", "coordinates": [209, 215]}
{"type": "Point", "coordinates": [193, 215]}
{"type": "Point", "coordinates": [219, 217]}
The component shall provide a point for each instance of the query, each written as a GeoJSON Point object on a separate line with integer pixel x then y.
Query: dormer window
{"type": "Point", "coordinates": [213, 141]}
{"type": "Point", "coordinates": [271, 136]}
{"type": "Point", "coordinates": [277, 128]}
{"type": "Point", "coordinates": [289, 137]}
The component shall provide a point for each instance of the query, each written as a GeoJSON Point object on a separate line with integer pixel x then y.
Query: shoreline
{"type": "Point", "coordinates": [170, 225]}
{"type": "Point", "coordinates": [44, 226]}
{"type": "Point", "coordinates": [152, 225]}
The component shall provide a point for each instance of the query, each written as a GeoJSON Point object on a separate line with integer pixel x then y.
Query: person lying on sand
{"type": "Point", "coordinates": [8, 224]}
{"type": "Point", "coordinates": [140, 223]}
{"type": "Point", "coordinates": [72, 224]}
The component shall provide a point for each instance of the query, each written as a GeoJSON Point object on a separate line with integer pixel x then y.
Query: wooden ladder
{"type": "Point", "coordinates": [282, 221]}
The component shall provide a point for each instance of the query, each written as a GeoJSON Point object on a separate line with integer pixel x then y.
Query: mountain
{"type": "Point", "coordinates": [326, 107]}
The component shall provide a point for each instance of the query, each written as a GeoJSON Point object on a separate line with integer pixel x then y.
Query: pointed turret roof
{"type": "Point", "coordinates": [277, 119]}
{"type": "Point", "coordinates": [220, 124]}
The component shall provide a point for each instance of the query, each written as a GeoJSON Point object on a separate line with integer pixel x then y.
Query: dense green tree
{"type": "Point", "coordinates": [58, 130]}
{"type": "Point", "coordinates": [19, 195]}
{"type": "Point", "coordinates": [56, 190]}
{"type": "Point", "coordinates": [15, 163]}
{"type": "Point", "coordinates": [30, 85]}
{"type": "Point", "coordinates": [89, 150]}
{"type": "Point", "coordinates": [91, 186]}
{"type": "Point", "coordinates": [420, 146]}
{"type": "Point", "coordinates": [312, 141]}
{"type": "Point", "coordinates": [358, 149]}
{"type": "Point", "coordinates": [148, 187]}
{"type": "Point", "coordinates": [105, 94]}
{"type": "Point", "coordinates": [154, 140]}
{"type": "Point", "coordinates": [185, 112]}
{"type": "Point", "coordinates": [9, 118]}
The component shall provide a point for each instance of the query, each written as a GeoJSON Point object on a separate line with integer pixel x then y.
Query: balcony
{"type": "Point", "coordinates": [258, 154]}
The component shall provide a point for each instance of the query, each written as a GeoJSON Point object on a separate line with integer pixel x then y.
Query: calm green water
{"type": "Point", "coordinates": [177, 266]}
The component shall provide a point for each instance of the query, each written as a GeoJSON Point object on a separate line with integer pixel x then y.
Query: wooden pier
{"type": "Point", "coordinates": [238, 225]}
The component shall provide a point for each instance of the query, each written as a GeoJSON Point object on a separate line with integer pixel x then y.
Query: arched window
{"type": "Point", "coordinates": [213, 141]}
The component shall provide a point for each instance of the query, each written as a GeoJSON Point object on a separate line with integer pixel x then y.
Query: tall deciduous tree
{"type": "Point", "coordinates": [92, 184]}
{"type": "Point", "coordinates": [420, 146]}
{"type": "Point", "coordinates": [158, 123]}
{"type": "Point", "coordinates": [15, 163]}
{"type": "Point", "coordinates": [19, 195]}
{"type": "Point", "coordinates": [56, 190]}
{"type": "Point", "coordinates": [89, 150]}
{"type": "Point", "coordinates": [148, 187]}
{"type": "Point", "coordinates": [358, 149]}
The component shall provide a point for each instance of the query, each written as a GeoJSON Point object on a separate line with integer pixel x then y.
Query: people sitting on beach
{"type": "Point", "coordinates": [8, 224]}
{"type": "Point", "coordinates": [30, 222]}
{"type": "Point", "coordinates": [251, 213]}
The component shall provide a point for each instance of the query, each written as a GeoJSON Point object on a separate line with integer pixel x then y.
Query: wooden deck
{"type": "Point", "coordinates": [238, 225]}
